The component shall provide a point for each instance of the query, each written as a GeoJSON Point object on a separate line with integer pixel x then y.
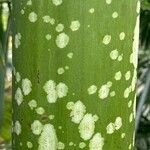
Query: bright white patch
{"type": "Point", "coordinates": [40, 110]}
{"type": "Point", "coordinates": [115, 15]}
{"type": "Point", "coordinates": [118, 75]}
{"type": "Point", "coordinates": [70, 55]}
{"type": "Point", "coordinates": [118, 123]}
{"type": "Point", "coordinates": [120, 57]}
{"type": "Point", "coordinates": [18, 77]}
{"type": "Point", "coordinates": [17, 40]}
{"type": "Point", "coordinates": [32, 104]}
{"type": "Point", "coordinates": [91, 10]}
{"type": "Point", "coordinates": [86, 127]}
{"type": "Point", "coordinates": [112, 94]}
{"type": "Point", "coordinates": [92, 89]}
{"type": "Point", "coordinates": [49, 86]}
{"type": "Point", "coordinates": [134, 79]}
{"type": "Point", "coordinates": [48, 19]}
{"type": "Point", "coordinates": [130, 146]}
{"type": "Point", "coordinates": [62, 40]}
{"type": "Point", "coordinates": [57, 2]}
{"type": "Point", "coordinates": [32, 17]}
{"type": "Point", "coordinates": [70, 105]}
{"type": "Point", "coordinates": [60, 70]}
{"type": "Point", "coordinates": [127, 92]}
{"type": "Point", "coordinates": [48, 36]}
{"type": "Point", "coordinates": [122, 36]}
{"type": "Point", "coordinates": [127, 75]}
{"type": "Point", "coordinates": [138, 7]}
{"type": "Point", "coordinates": [75, 25]}
{"type": "Point", "coordinates": [26, 86]}
{"type": "Point", "coordinates": [82, 145]}
{"type": "Point", "coordinates": [131, 117]}
{"type": "Point", "coordinates": [104, 91]}
{"type": "Point", "coordinates": [60, 27]}
{"type": "Point", "coordinates": [106, 39]}
{"type": "Point", "coordinates": [97, 142]}
{"type": "Point", "coordinates": [36, 127]}
{"type": "Point", "coordinates": [108, 1]}
{"type": "Point", "coordinates": [78, 111]}
{"type": "Point", "coordinates": [29, 2]}
{"type": "Point", "coordinates": [18, 96]}
{"type": "Point", "coordinates": [95, 118]}
{"type": "Point", "coordinates": [17, 127]}
{"type": "Point", "coordinates": [110, 128]}
{"type": "Point", "coordinates": [123, 135]}
{"type": "Point", "coordinates": [48, 139]}
{"type": "Point", "coordinates": [109, 84]}
{"type": "Point", "coordinates": [29, 144]}
{"type": "Point", "coordinates": [52, 96]}
{"type": "Point", "coordinates": [62, 90]}
{"type": "Point", "coordinates": [60, 145]}
{"type": "Point", "coordinates": [129, 103]}
{"type": "Point", "coordinates": [114, 54]}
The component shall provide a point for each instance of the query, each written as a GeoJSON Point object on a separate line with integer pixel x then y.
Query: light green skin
{"type": "Point", "coordinates": [90, 65]}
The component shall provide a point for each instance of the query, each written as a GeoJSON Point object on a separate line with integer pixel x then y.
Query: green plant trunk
{"type": "Point", "coordinates": [74, 74]}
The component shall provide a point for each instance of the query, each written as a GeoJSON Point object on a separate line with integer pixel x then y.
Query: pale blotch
{"type": "Point", "coordinates": [91, 10]}
{"type": "Point", "coordinates": [138, 7]}
{"type": "Point", "coordinates": [51, 117]}
{"type": "Point", "coordinates": [75, 25]}
{"type": "Point", "coordinates": [40, 110]}
{"type": "Point", "coordinates": [110, 128]}
{"type": "Point", "coordinates": [114, 54]}
{"type": "Point", "coordinates": [129, 103]}
{"type": "Point", "coordinates": [18, 96]}
{"type": "Point", "coordinates": [71, 143]}
{"type": "Point", "coordinates": [29, 2]}
{"type": "Point", "coordinates": [32, 17]}
{"type": "Point", "coordinates": [127, 92]}
{"type": "Point", "coordinates": [57, 2]}
{"type": "Point", "coordinates": [60, 70]}
{"type": "Point", "coordinates": [32, 104]}
{"type": "Point", "coordinates": [87, 127]}
{"type": "Point", "coordinates": [70, 55]}
{"type": "Point", "coordinates": [62, 90]}
{"type": "Point", "coordinates": [22, 12]}
{"type": "Point", "coordinates": [17, 128]}
{"type": "Point", "coordinates": [131, 117]}
{"type": "Point", "coordinates": [48, 19]}
{"type": "Point", "coordinates": [112, 94]}
{"type": "Point", "coordinates": [82, 145]}
{"type": "Point", "coordinates": [118, 123]}
{"type": "Point", "coordinates": [49, 86]}
{"type": "Point", "coordinates": [29, 144]}
{"type": "Point", "coordinates": [62, 40]}
{"type": "Point", "coordinates": [97, 142]}
{"type": "Point", "coordinates": [118, 75]}
{"type": "Point", "coordinates": [60, 145]}
{"type": "Point", "coordinates": [122, 36]}
{"type": "Point", "coordinates": [26, 86]}
{"type": "Point", "coordinates": [78, 111]}
{"type": "Point", "coordinates": [95, 118]}
{"type": "Point", "coordinates": [115, 15]}
{"type": "Point", "coordinates": [104, 91]}
{"type": "Point", "coordinates": [123, 135]}
{"type": "Point", "coordinates": [70, 105]}
{"type": "Point", "coordinates": [92, 89]}
{"type": "Point", "coordinates": [36, 127]}
{"type": "Point", "coordinates": [48, 37]}
{"type": "Point", "coordinates": [48, 138]}
{"type": "Point", "coordinates": [106, 39]}
{"type": "Point", "coordinates": [128, 75]}
{"type": "Point", "coordinates": [17, 40]}
{"type": "Point", "coordinates": [59, 27]}
{"type": "Point", "coordinates": [120, 57]}
{"type": "Point", "coordinates": [18, 77]}
{"type": "Point", "coordinates": [52, 96]}
{"type": "Point", "coordinates": [67, 67]}
{"type": "Point", "coordinates": [108, 2]}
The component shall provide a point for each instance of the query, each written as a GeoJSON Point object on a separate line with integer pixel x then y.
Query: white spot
{"type": "Point", "coordinates": [127, 92]}
{"type": "Point", "coordinates": [108, 1]}
{"type": "Point", "coordinates": [114, 54]}
{"type": "Point", "coordinates": [112, 94]}
{"type": "Point", "coordinates": [29, 144]}
{"type": "Point", "coordinates": [62, 90]}
{"type": "Point", "coordinates": [78, 111]}
{"type": "Point", "coordinates": [18, 96]}
{"type": "Point", "coordinates": [17, 127]}
{"type": "Point", "coordinates": [120, 57]}
{"type": "Point", "coordinates": [82, 145]}
{"type": "Point", "coordinates": [118, 75]}
{"type": "Point", "coordinates": [122, 36]}
{"type": "Point", "coordinates": [40, 110]}
{"type": "Point", "coordinates": [49, 86]}
{"type": "Point", "coordinates": [62, 40]}
{"type": "Point", "coordinates": [60, 70]}
{"type": "Point", "coordinates": [115, 15]}
{"type": "Point", "coordinates": [60, 145]}
{"type": "Point", "coordinates": [129, 103]}
{"type": "Point", "coordinates": [22, 12]}
{"type": "Point", "coordinates": [26, 86]}
{"type": "Point", "coordinates": [75, 25]}
{"type": "Point", "coordinates": [36, 127]}
{"type": "Point", "coordinates": [118, 123]}
{"type": "Point", "coordinates": [92, 89]}
{"type": "Point", "coordinates": [52, 96]}
{"type": "Point", "coordinates": [106, 39]}
{"type": "Point", "coordinates": [127, 75]}
{"type": "Point", "coordinates": [18, 77]}
{"type": "Point", "coordinates": [110, 128]}
{"type": "Point", "coordinates": [70, 105]}
{"type": "Point", "coordinates": [95, 118]}
{"type": "Point", "coordinates": [32, 17]}
{"type": "Point", "coordinates": [32, 104]}
{"type": "Point", "coordinates": [70, 55]}
{"type": "Point", "coordinates": [48, 36]}
{"type": "Point", "coordinates": [29, 2]}
{"type": "Point", "coordinates": [86, 127]}
{"type": "Point", "coordinates": [60, 27]}
{"type": "Point", "coordinates": [131, 117]}
{"type": "Point", "coordinates": [91, 10]}
{"type": "Point", "coordinates": [130, 146]}
{"type": "Point", "coordinates": [103, 91]}
{"type": "Point", "coordinates": [17, 40]}
{"type": "Point", "coordinates": [48, 139]}
{"type": "Point", "coordinates": [57, 2]}
{"type": "Point", "coordinates": [138, 7]}
{"type": "Point", "coordinates": [48, 19]}
{"type": "Point", "coordinates": [97, 142]}
{"type": "Point", "coordinates": [51, 117]}
{"type": "Point", "coordinates": [123, 135]}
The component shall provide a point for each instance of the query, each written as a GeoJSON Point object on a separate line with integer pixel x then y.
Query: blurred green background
{"type": "Point", "coordinates": [142, 141]}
